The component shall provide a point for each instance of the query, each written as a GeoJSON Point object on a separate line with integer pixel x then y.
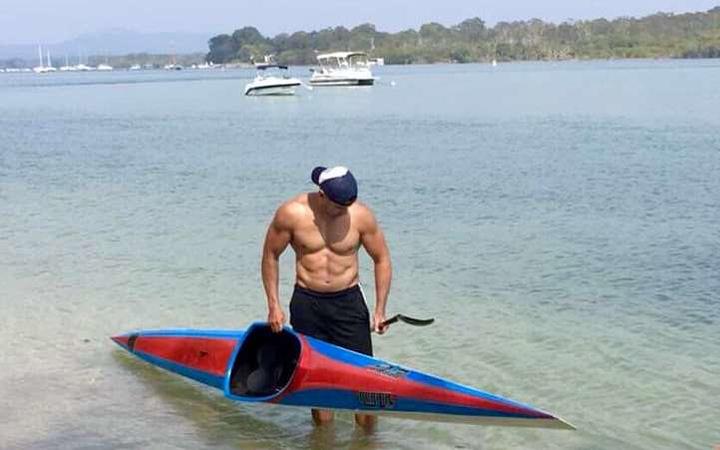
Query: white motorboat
{"type": "Point", "coordinates": [342, 69]}
{"type": "Point", "coordinates": [270, 80]}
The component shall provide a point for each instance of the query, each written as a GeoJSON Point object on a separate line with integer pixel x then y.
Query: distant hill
{"type": "Point", "coordinates": [114, 42]}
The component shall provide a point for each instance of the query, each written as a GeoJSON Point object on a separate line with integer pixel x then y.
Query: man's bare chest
{"type": "Point", "coordinates": [311, 238]}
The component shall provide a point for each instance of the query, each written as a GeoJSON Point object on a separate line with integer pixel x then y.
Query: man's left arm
{"type": "Point", "coordinates": [373, 240]}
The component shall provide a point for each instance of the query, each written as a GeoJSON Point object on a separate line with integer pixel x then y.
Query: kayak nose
{"type": "Point", "coordinates": [126, 341]}
{"type": "Point", "coordinates": [121, 340]}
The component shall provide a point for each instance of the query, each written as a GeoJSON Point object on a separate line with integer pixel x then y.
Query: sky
{"type": "Point", "coordinates": [52, 21]}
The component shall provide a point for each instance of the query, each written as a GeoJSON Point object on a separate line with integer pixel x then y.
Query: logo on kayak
{"type": "Point", "coordinates": [390, 370]}
{"type": "Point", "coordinates": [380, 400]}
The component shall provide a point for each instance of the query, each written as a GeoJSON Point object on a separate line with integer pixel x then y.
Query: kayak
{"type": "Point", "coordinates": [289, 368]}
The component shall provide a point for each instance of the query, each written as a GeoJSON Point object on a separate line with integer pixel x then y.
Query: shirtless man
{"type": "Point", "coordinates": [326, 229]}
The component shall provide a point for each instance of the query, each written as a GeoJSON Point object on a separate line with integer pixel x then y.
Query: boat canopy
{"type": "Point", "coordinates": [343, 60]}
{"type": "Point", "coordinates": [336, 55]}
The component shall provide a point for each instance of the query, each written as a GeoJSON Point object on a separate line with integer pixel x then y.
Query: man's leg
{"type": "Point", "coordinates": [322, 416]}
{"type": "Point", "coordinates": [366, 421]}
{"type": "Point", "coordinates": [304, 319]}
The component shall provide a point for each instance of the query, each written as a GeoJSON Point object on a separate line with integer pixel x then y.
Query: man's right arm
{"type": "Point", "coordinates": [276, 241]}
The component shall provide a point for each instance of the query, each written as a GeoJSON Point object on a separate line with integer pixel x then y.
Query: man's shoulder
{"type": "Point", "coordinates": [360, 208]}
{"type": "Point", "coordinates": [293, 208]}
{"type": "Point", "coordinates": [363, 215]}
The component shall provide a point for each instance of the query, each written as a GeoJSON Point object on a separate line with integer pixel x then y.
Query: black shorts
{"type": "Point", "coordinates": [340, 318]}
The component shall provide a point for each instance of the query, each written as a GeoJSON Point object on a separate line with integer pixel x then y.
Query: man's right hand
{"type": "Point", "coordinates": [276, 319]}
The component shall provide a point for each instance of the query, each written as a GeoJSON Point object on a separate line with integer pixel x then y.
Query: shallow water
{"type": "Point", "coordinates": [559, 220]}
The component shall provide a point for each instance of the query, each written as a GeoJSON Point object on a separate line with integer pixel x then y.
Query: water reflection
{"type": "Point", "coordinates": [227, 424]}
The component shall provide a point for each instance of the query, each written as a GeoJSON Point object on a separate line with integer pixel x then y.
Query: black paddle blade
{"type": "Point", "coordinates": [408, 320]}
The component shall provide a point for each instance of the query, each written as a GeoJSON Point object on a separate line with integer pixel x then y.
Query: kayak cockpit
{"type": "Point", "coordinates": [265, 362]}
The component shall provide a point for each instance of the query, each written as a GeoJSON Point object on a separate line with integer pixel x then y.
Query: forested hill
{"type": "Point", "coordinates": [690, 35]}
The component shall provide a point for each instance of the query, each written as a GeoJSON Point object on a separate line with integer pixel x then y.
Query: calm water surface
{"type": "Point", "coordinates": [559, 220]}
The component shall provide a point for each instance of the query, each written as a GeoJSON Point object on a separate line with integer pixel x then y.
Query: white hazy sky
{"type": "Point", "coordinates": [34, 21]}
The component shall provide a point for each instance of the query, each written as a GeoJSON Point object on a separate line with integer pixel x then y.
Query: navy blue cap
{"type": "Point", "coordinates": [338, 184]}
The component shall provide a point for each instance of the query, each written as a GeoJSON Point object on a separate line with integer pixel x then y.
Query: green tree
{"type": "Point", "coordinates": [661, 34]}
{"type": "Point", "coordinates": [223, 48]}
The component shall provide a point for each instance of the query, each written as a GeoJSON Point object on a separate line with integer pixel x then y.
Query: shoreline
{"type": "Point", "coordinates": [247, 66]}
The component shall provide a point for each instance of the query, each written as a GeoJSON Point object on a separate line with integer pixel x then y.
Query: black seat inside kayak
{"type": "Point", "coordinates": [265, 363]}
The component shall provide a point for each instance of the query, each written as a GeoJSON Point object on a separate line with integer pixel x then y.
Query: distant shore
{"type": "Point", "coordinates": [248, 66]}
{"type": "Point", "coordinates": [662, 35]}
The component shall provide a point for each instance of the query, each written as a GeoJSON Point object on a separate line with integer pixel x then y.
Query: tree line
{"type": "Point", "coordinates": [661, 35]}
